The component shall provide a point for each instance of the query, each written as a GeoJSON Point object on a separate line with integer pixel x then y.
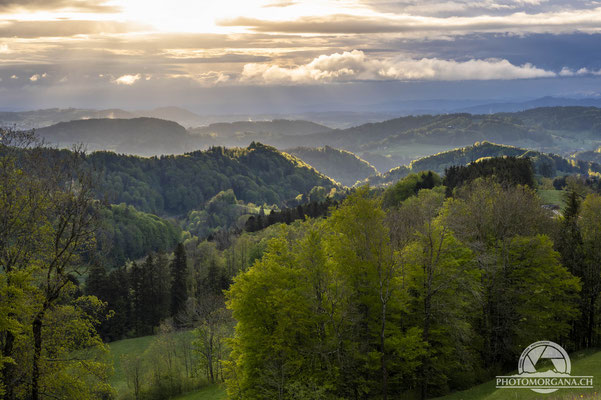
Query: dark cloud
{"type": "Point", "coordinates": [471, 8]}
{"type": "Point", "coordinates": [543, 50]}
{"type": "Point", "coordinates": [94, 6]}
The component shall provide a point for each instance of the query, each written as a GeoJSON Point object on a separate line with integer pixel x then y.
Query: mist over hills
{"type": "Point", "coordinates": [340, 119]}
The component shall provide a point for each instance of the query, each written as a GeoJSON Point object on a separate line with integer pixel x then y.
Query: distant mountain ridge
{"type": "Point", "coordinates": [279, 127]}
{"type": "Point", "coordinates": [547, 101]}
{"type": "Point", "coordinates": [141, 136]}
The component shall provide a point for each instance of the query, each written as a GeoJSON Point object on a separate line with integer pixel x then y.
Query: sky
{"type": "Point", "coordinates": [228, 56]}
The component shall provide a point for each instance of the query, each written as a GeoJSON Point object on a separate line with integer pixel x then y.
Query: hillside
{"type": "Point", "coordinates": [174, 185]}
{"type": "Point", "coordinates": [142, 136]}
{"type": "Point", "coordinates": [548, 165]}
{"type": "Point", "coordinates": [340, 165]}
{"type": "Point", "coordinates": [559, 130]}
{"type": "Point", "coordinates": [591, 155]}
{"type": "Point", "coordinates": [583, 363]}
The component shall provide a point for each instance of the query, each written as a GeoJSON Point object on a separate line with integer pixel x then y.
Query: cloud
{"type": "Point", "coordinates": [563, 21]}
{"type": "Point", "coordinates": [127, 79]}
{"type": "Point", "coordinates": [579, 72]}
{"type": "Point", "coordinates": [354, 65]}
{"type": "Point", "coordinates": [94, 6]}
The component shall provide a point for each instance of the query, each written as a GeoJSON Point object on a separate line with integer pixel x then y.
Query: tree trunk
{"type": "Point", "coordinates": [591, 321]}
{"type": "Point", "coordinates": [426, 338]}
{"type": "Point", "coordinates": [7, 372]}
{"type": "Point", "coordinates": [210, 359]}
{"type": "Point", "coordinates": [383, 358]}
{"type": "Point", "coordinates": [37, 353]}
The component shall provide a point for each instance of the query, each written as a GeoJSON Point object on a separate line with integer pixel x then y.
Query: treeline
{"type": "Point", "coordinates": [507, 171]}
{"type": "Point", "coordinates": [142, 295]}
{"type": "Point", "coordinates": [288, 215]}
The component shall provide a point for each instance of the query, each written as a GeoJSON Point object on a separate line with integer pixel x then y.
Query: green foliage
{"type": "Point", "coordinates": [508, 231]}
{"type": "Point", "coordinates": [129, 234]}
{"type": "Point", "coordinates": [507, 171]}
{"type": "Point", "coordinates": [48, 341]}
{"type": "Point", "coordinates": [409, 186]}
{"type": "Point", "coordinates": [179, 276]}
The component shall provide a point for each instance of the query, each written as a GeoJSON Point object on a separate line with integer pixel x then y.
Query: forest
{"type": "Point", "coordinates": [421, 288]}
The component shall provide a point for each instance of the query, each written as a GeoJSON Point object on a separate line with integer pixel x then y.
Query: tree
{"type": "Point", "coordinates": [445, 284]}
{"type": "Point", "coordinates": [179, 277]}
{"type": "Point", "coordinates": [47, 224]}
{"type": "Point", "coordinates": [492, 220]}
{"type": "Point", "coordinates": [590, 271]}
{"type": "Point", "coordinates": [73, 225]}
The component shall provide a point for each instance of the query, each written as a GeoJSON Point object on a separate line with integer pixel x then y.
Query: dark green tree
{"type": "Point", "coordinates": [179, 274]}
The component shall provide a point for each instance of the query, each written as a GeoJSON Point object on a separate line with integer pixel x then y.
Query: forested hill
{"type": "Point", "coordinates": [340, 165]}
{"type": "Point", "coordinates": [549, 129]}
{"type": "Point", "coordinates": [142, 136]}
{"type": "Point", "coordinates": [174, 185]}
{"type": "Point", "coordinates": [548, 165]}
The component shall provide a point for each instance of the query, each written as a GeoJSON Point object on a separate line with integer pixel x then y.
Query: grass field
{"type": "Point", "coordinates": [212, 392]}
{"type": "Point", "coordinates": [123, 347]}
{"type": "Point", "coordinates": [583, 363]}
{"type": "Point", "coordinates": [139, 346]}
{"type": "Point", "coordinates": [552, 197]}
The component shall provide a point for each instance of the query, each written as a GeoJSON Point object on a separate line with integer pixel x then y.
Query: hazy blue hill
{"type": "Point", "coordinates": [180, 115]}
{"type": "Point", "coordinates": [451, 129]}
{"type": "Point", "coordinates": [546, 101]}
{"type": "Point", "coordinates": [247, 128]}
{"type": "Point", "coordinates": [42, 118]}
{"type": "Point", "coordinates": [566, 119]}
{"type": "Point", "coordinates": [340, 165]}
{"type": "Point", "coordinates": [142, 136]}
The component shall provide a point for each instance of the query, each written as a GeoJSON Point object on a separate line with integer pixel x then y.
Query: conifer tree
{"type": "Point", "coordinates": [179, 269]}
